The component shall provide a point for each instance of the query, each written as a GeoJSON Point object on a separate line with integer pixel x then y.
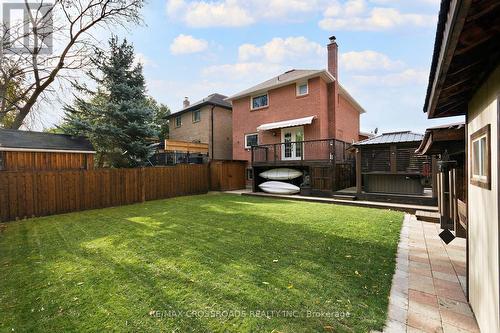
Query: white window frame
{"type": "Point", "coordinates": [247, 135]}
{"type": "Point", "coordinates": [293, 144]}
{"type": "Point", "coordinates": [481, 159]}
{"type": "Point", "coordinates": [260, 107]}
{"type": "Point", "coordinates": [299, 84]}
{"type": "Point", "coordinates": [482, 180]}
{"type": "Point", "coordinates": [193, 118]}
{"type": "Point", "coordinates": [176, 124]}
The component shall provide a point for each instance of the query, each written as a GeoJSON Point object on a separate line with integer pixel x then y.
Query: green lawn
{"type": "Point", "coordinates": [208, 263]}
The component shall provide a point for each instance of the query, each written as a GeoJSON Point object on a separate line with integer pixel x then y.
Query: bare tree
{"type": "Point", "coordinates": [51, 44]}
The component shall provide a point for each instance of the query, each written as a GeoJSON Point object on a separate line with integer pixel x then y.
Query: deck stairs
{"type": "Point", "coordinates": [345, 197]}
{"type": "Point", "coordinates": [427, 216]}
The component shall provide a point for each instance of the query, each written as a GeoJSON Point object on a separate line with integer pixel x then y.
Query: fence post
{"type": "Point", "coordinates": [142, 188]}
{"type": "Point", "coordinates": [359, 177]}
{"type": "Point", "coordinates": [209, 175]}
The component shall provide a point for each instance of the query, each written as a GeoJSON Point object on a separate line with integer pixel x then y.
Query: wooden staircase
{"type": "Point", "coordinates": [427, 216]}
{"type": "Point", "coordinates": [345, 197]}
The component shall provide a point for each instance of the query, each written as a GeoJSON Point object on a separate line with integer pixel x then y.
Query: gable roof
{"type": "Point", "coordinates": [38, 141]}
{"type": "Point", "coordinates": [293, 76]}
{"type": "Point", "coordinates": [393, 137]}
{"type": "Point", "coordinates": [438, 139]}
{"type": "Point", "coordinates": [213, 99]}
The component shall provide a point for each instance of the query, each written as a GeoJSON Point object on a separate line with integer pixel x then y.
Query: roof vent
{"type": "Point", "coordinates": [287, 72]}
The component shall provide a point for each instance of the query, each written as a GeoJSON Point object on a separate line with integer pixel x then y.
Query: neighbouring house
{"type": "Point", "coordinates": [29, 151]}
{"type": "Point", "coordinates": [465, 80]}
{"type": "Point", "coordinates": [206, 123]}
{"type": "Point", "coordinates": [389, 169]}
{"type": "Point", "coordinates": [295, 118]}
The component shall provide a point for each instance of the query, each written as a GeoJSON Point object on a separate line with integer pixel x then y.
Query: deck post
{"type": "Point", "coordinates": [359, 187]}
{"type": "Point", "coordinates": [434, 171]}
{"type": "Point", "coordinates": [393, 159]}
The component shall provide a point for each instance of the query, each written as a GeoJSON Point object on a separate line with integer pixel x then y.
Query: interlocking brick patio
{"type": "Point", "coordinates": [428, 287]}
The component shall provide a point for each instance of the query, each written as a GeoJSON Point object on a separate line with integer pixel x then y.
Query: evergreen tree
{"type": "Point", "coordinates": [161, 112]}
{"type": "Point", "coordinates": [117, 117]}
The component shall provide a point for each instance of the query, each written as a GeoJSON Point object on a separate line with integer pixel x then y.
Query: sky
{"type": "Point", "coordinates": [195, 48]}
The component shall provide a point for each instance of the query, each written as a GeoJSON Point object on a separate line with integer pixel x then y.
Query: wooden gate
{"type": "Point", "coordinates": [227, 175]}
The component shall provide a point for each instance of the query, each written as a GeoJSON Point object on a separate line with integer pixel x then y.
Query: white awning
{"type": "Point", "coordinates": [286, 123]}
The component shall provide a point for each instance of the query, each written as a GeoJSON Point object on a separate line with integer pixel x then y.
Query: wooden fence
{"type": "Point", "coordinates": [227, 175]}
{"type": "Point", "coordinates": [35, 193]}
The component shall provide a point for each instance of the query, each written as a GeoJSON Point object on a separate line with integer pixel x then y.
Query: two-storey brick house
{"type": "Point", "coordinates": [208, 122]}
{"type": "Point", "coordinates": [292, 113]}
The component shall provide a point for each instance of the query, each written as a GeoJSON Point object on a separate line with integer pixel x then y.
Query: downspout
{"type": "Point", "coordinates": [212, 131]}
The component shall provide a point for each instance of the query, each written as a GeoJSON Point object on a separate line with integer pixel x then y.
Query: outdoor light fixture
{"type": "Point", "coordinates": [447, 236]}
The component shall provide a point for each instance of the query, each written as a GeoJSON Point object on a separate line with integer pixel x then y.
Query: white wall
{"type": "Point", "coordinates": [483, 214]}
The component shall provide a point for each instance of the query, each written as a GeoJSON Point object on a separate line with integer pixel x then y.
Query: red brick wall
{"type": "Point", "coordinates": [283, 105]}
{"type": "Point", "coordinates": [347, 121]}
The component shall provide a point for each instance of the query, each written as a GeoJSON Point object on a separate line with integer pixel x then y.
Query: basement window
{"type": "Point", "coordinates": [481, 158]}
{"type": "Point", "coordinates": [249, 174]}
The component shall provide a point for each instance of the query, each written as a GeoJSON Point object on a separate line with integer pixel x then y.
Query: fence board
{"type": "Point", "coordinates": [35, 193]}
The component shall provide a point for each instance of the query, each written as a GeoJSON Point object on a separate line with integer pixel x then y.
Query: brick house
{"type": "Point", "coordinates": [209, 122]}
{"type": "Point", "coordinates": [296, 106]}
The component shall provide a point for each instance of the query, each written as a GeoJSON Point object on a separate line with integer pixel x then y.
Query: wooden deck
{"type": "Point", "coordinates": [291, 163]}
{"type": "Point", "coordinates": [409, 208]}
{"type": "Point", "coordinates": [425, 199]}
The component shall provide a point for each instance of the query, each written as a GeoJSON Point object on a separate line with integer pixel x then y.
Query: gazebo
{"type": "Point", "coordinates": [388, 164]}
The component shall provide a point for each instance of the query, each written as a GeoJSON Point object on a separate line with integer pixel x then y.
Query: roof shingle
{"type": "Point", "coordinates": [213, 99]}
{"type": "Point", "coordinates": [44, 141]}
{"type": "Point", "coordinates": [282, 79]}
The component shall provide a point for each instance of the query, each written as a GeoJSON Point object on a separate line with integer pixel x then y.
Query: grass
{"type": "Point", "coordinates": [176, 265]}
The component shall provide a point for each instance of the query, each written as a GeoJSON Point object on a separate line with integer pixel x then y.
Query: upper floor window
{"type": "Point", "coordinates": [251, 140]}
{"type": "Point", "coordinates": [302, 88]}
{"type": "Point", "coordinates": [481, 158]}
{"type": "Point", "coordinates": [260, 101]}
{"type": "Point", "coordinates": [178, 121]}
{"type": "Point", "coordinates": [2, 160]}
{"type": "Point", "coordinates": [196, 116]}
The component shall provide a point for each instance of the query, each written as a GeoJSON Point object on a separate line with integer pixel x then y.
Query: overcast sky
{"type": "Point", "coordinates": [195, 48]}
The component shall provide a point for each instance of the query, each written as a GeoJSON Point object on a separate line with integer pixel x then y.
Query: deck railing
{"type": "Point", "coordinates": [326, 150]}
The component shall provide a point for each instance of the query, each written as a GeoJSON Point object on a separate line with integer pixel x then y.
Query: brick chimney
{"type": "Point", "coordinates": [186, 103]}
{"type": "Point", "coordinates": [333, 63]}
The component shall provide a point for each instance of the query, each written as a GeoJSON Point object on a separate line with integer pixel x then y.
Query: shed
{"type": "Point", "coordinates": [387, 163]}
{"type": "Point", "coordinates": [28, 151]}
